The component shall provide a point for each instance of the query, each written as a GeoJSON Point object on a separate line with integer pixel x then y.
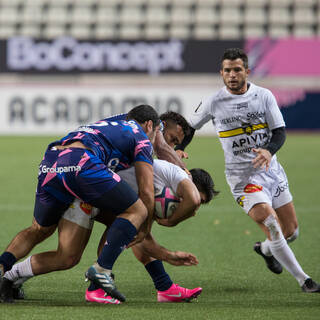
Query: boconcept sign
{"type": "Point", "coordinates": [68, 54]}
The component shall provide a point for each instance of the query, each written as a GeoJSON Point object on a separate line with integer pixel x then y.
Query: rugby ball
{"type": "Point", "coordinates": [165, 203]}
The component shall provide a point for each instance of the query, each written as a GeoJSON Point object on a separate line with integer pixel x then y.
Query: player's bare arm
{"type": "Point", "coordinates": [182, 154]}
{"type": "Point", "coordinates": [189, 203]}
{"type": "Point", "coordinates": [149, 247]}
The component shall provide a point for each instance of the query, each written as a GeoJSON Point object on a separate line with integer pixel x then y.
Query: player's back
{"type": "Point", "coordinates": [118, 143]}
{"type": "Point", "coordinates": [165, 174]}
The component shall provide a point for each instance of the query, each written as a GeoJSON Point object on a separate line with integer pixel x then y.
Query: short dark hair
{"type": "Point", "coordinates": [176, 118]}
{"type": "Point", "coordinates": [143, 113]}
{"type": "Point", "coordinates": [233, 54]}
{"type": "Point", "coordinates": [204, 183]}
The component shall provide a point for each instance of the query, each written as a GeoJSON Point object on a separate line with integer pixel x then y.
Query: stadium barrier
{"type": "Point", "coordinates": [53, 86]}
{"type": "Point", "coordinates": [58, 108]}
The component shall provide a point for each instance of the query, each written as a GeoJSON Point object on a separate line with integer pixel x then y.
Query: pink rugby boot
{"type": "Point", "coordinates": [100, 297]}
{"type": "Point", "coordinates": [178, 294]}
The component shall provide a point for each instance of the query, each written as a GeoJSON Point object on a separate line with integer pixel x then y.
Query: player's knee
{"type": "Point", "coordinates": [138, 210]}
{"type": "Point", "coordinates": [143, 212]}
{"type": "Point", "coordinates": [37, 235]}
{"type": "Point", "coordinates": [259, 212]}
{"type": "Point", "coordinates": [69, 261]}
{"type": "Point", "coordinates": [293, 235]}
{"type": "Point", "coordinates": [141, 255]}
{"type": "Point", "coordinates": [38, 232]}
{"type": "Point", "coordinates": [142, 209]}
{"type": "Point", "coordinates": [273, 227]}
{"type": "Point", "coordinates": [141, 215]}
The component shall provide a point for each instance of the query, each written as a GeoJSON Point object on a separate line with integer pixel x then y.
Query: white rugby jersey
{"type": "Point", "coordinates": [242, 122]}
{"type": "Point", "coordinates": [165, 174]}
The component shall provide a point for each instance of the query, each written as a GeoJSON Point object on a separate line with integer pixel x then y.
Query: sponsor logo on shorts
{"type": "Point", "coordinates": [251, 188]}
{"type": "Point", "coordinates": [45, 169]}
{"type": "Point", "coordinates": [283, 186]}
{"type": "Point", "coordinates": [86, 207]}
{"type": "Point", "coordinates": [240, 201]}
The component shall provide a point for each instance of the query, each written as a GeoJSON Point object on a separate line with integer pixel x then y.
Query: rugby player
{"type": "Point", "coordinates": [76, 224]}
{"type": "Point", "coordinates": [174, 129]}
{"type": "Point", "coordinates": [149, 252]}
{"type": "Point", "coordinates": [251, 130]}
{"type": "Point", "coordinates": [83, 165]}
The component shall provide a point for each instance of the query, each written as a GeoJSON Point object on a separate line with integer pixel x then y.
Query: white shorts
{"type": "Point", "coordinates": [81, 213]}
{"type": "Point", "coordinates": [262, 186]}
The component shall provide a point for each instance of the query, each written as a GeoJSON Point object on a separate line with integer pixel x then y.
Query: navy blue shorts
{"type": "Point", "coordinates": [77, 173]}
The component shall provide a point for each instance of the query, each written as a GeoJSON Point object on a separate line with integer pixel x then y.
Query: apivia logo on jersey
{"type": "Point", "coordinates": [245, 144]}
{"type": "Point", "coordinates": [68, 54]}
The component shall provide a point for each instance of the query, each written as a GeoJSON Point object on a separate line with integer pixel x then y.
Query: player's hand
{"type": "Point", "coordinates": [180, 258]}
{"type": "Point", "coordinates": [262, 159]}
{"type": "Point", "coordinates": [182, 154]}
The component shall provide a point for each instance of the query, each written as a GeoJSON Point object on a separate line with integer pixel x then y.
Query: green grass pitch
{"type": "Point", "coordinates": [235, 281]}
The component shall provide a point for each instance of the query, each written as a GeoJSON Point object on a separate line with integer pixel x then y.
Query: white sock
{"type": "Point", "coordinates": [21, 270]}
{"type": "Point", "coordinates": [265, 248]}
{"type": "Point", "coordinates": [282, 252]}
{"type": "Point", "coordinates": [265, 245]}
{"type": "Point", "coordinates": [101, 269]}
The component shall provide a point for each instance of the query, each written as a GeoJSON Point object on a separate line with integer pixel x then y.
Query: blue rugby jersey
{"type": "Point", "coordinates": [118, 143]}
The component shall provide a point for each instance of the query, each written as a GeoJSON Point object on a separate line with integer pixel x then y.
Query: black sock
{"type": "Point", "coordinates": [160, 278]}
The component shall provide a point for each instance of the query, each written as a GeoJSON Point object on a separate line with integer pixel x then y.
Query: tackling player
{"type": "Point", "coordinates": [251, 130]}
{"type": "Point", "coordinates": [191, 193]}
{"type": "Point", "coordinates": [77, 222]}
{"type": "Point", "coordinates": [175, 128]}
{"type": "Point", "coordinates": [82, 165]}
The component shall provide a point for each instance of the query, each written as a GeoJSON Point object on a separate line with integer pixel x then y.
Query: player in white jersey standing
{"type": "Point", "coordinates": [251, 130]}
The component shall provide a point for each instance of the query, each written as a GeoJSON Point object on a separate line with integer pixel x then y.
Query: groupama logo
{"type": "Point", "coordinates": [45, 169]}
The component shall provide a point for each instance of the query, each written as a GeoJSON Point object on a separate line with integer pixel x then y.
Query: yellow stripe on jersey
{"type": "Point", "coordinates": [245, 129]}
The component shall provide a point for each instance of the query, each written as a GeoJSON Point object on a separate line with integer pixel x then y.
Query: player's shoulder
{"type": "Point", "coordinates": [217, 95]}
{"type": "Point", "coordinates": [168, 174]}
{"type": "Point", "coordinates": [212, 100]}
{"type": "Point", "coordinates": [134, 128]}
{"type": "Point", "coordinates": [264, 92]}
{"type": "Point", "coordinates": [163, 165]}
{"type": "Point", "coordinates": [117, 117]}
